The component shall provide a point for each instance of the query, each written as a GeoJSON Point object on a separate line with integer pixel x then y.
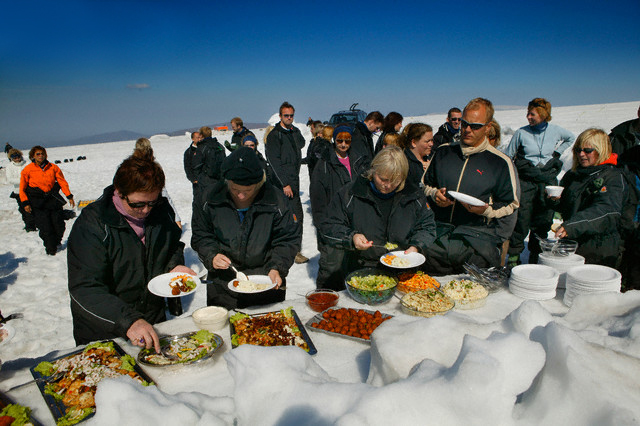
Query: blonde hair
{"type": "Point", "coordinates": [598, 140]}
{"type": "Point", "coordinates": [493, 133]}
{"type": "Point", "coordinates": [391, 163]}
{"type": "Point", "coordinates": [205, 131]}
{"type": "Point", "coordinates": [266, 133]}
{"type": "Point", "coordinates": [476, 103]}
{"type": "Point", "coordinates": [392, 139]}
{"type": "Point", "coordinates": [327, 132]}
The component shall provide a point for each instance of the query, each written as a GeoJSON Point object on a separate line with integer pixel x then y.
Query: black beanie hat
{"type": "Point", "coordinates": [243, 167]}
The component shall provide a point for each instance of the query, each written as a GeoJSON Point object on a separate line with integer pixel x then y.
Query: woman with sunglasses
{"type": "Point", "coordinates": [339, 167]}
{"type": "Point", "coordinates": [592, 200]}
{"type": "Point", "coordinates": [13, 172]}
{"type": "Point", "coordinates": [116, 246]}
{"type": "Point", "coordinates": [535, 150]}
{"type": "Point", "coordinates": [40, 185]}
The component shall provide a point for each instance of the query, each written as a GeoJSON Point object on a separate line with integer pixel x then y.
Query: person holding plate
{"type": "Point", "coordinates": [378, 207]}
{"type": "Point", "coordinates": [116, 246]}
{"type": "Point", "coordinates": [246, 222]}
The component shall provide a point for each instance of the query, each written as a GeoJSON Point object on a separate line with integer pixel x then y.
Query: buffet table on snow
{"type": "Point", "coordinates": [211, 377]}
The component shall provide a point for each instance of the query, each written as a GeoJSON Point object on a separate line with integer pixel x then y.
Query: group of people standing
{"type": "Point", "coordinates": [247, 211]}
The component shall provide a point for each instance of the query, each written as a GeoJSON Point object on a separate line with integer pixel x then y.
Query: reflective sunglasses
{"type": "Point", "coordinates": [142, 204]}
{"type": "Point", "coordinates": [474, 126]}
{"type": "Point", "coordinates": [585, 150]}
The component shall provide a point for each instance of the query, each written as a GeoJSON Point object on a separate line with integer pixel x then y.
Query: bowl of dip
{"type": "Point", "coordinates": [322, 299]}
{"type": "Point", "coordinates": [210, 318]}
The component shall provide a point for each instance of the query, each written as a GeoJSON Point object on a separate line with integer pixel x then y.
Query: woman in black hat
{"type": "Point", "coordinates": [246, 222]}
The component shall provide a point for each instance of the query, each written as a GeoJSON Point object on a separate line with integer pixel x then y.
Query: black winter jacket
{"type": "Point", "coordinates": [416, 169]}
{"type": "Point", "coordinates": [283, 151]}
{"type": "Point", "coordinates": [328, 177]}
{"type": "Point", "coordinates": [482, 172]}
{"type": "Point", "coordinates": [211, 155]}
{"type": "Point", "coordinates": [355, 209]}
{"type": "Point", "coordinates": [266, 239]}
{"type": "Point", "coordinates": [362, 142]}
{"type": "Point", "coordinates": [109, 268]}
{"type": "Point", "coordinates": [236, 139]}
{"type": "Point", "coordinates": [318, 148]}
{"type": "Point", "coordinates": [189, 160]}
{"type": "Point", "coordinates": [591, 206]}
{"type": "Point", "coordinates": [443, 136]}
{"type": "Point", "coordinates": [625, 135]}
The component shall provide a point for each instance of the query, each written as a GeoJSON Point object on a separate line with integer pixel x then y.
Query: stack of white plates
{"type": "Point", "coordinates": [591, 279]}
{"type": "Point", "coordinates": [561, 264]}
{"type": "Point", "coordinates": [536, 282]}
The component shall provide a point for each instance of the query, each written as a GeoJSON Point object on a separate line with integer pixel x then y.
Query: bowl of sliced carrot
{"type": "Point", "coordinates": [409, 282]}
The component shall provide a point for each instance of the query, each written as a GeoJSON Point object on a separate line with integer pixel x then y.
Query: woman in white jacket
{"type": "Point", "coordinates": [13, 170]}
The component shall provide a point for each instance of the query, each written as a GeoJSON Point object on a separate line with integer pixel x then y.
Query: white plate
{"type": "Point", "coordinates": [415, 259]}
{"type": "Point", "coordinates": [160, 284]}
{"type": "Point", "coordinates": [11, 333]}
{"type": "Point", "coordinates": [466, 198]}
{"type": "Point", "coordinates": [257, 279]}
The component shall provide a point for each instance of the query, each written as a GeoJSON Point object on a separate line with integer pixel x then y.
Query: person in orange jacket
{"type": "Point", "coordinates": [40, 185]}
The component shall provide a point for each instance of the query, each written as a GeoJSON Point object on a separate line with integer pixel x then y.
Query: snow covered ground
{"type": "Point", "coordinates": [534, 363]}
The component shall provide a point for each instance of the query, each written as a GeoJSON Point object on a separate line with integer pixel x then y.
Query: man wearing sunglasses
{"type": "Point", "coordinates": [468, 232]}
{"type": "Point", "coordinates": [284, 153]}
{"type": "Point", "coordinates": [449, 132]}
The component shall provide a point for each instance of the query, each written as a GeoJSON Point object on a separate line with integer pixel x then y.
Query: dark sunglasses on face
{"type": "Point", "coordinates": [585, 150]}
{"type": "Point", "coordinates": [343, 140]}
{"type": "Point", "coordinates": [455, 119]}
{"type": "Point", "coordinates": [16, 156]}
{"type": "Point", "coordinates": [287, 115]}
{"type": "Point", "coordinates": [474, 126]}
{"type": "Point", "coordinates": [141, 204]}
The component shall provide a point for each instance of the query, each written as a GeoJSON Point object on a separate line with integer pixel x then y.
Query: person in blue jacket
{"type": "Point", "coordinates": [535, 150]}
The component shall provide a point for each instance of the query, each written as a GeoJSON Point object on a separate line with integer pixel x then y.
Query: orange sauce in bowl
{"type": "Point", "coordinates": [321, 301]}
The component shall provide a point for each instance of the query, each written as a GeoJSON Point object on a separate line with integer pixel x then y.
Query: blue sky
{"type": "Point", "coordinates": [70, 69]}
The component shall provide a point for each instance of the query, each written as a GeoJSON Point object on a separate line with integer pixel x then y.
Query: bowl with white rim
{"type": "Point", "coordinates": [553, 191]}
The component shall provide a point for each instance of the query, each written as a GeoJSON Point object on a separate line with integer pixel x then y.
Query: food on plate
{"type": "Point", "coordinates": [249, 286]}
{"type": "Point", "coordinates": [3, 333]}
{"type": "Point", "coordinates": [15, 415]}
{"type": "Point", "coordinates": [390, 246]}
{"type": "Point", "coordinates": [426, 303]}
{"type": "Point", "coordinates": [409, 281]}
{"type": "Point", "coordinates": [372, 282]}
{"type": "Point", "coordinates": [350, 322]}
{"type": "Point", "coordinates": [81, 374]}
{"type": "Point", "coordinates": [182, 350]}
{"type": "Point", "coordinates": [393, 260]}
{"type": "Point", "coordinates": [465, 290]}
{"type": "Point", "coordinates": [182, 284]}
{"type": "Point", "coordinates": [271, 329]}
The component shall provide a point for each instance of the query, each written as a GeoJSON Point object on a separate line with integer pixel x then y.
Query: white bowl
{"type": "Point", "coordinates": [210, 318]}
{"type": "Point", "coordinates": [553, 191]}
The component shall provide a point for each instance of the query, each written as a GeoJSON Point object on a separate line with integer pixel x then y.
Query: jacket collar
{"type": "Point", "coordinates": [470, 150]}
{"type": "Point", "coordinates": [112, 217]}
{"type": "Point", "coordinates": [361, 189]}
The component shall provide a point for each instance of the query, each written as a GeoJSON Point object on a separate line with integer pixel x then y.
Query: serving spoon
{"type": "Point", "coordinates": [240, 276]}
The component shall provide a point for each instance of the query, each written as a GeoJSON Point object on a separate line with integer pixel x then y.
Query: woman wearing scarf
{"type": "Point", "coordinates": [535, 150]}
{"type": "Point", "coordinates": [379, 207]}
{"type": "Point", "coordinates": [592, 200]}
{"type": "Point", "coordinates": [40, 185]}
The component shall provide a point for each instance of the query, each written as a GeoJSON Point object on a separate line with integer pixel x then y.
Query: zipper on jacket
{"type": "Point", "coordinates": [458, 186]}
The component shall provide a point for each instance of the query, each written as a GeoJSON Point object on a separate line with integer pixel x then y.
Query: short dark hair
{"type": "Point", "coordinates": [33, 150]}
{"type": "Point", "coordinates": [237, 121]}
{"type": "Point", "coordinates": [375, 116]}
{"type": "Point", "coordinates": [452, 110]}
{"type": "Point", "coordinates": [139, 173]}
{"type": "Point", "coordinates": [284, 105]}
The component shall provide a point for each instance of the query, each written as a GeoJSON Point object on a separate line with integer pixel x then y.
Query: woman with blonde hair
{"type": "Point", "coordinates": [378, 208]}
{"type": "Point", "coordinates": [592, 200]}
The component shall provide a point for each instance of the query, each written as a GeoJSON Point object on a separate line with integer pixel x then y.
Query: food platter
{"type": "Point", "coordinates": [261, 280]}
{"type": "Point", "coordinates": [160, 285]}
{"type": "Point", "coordinates": [400, 260]}
{"type": "Point", "coordinates": [5, 401]}
{"type": "Point", "coordinates": [319, 317]}
{"type": "Point", "coordinates": [186, 347]}
{"type": "Point", "coordinates": [10, 333]}
{"type": "Point", "coordinates": [264, 329]}
{"type": "Point", "coordinates": [466, 198]}
{"type": "Point", "coordinates": [45, 381]}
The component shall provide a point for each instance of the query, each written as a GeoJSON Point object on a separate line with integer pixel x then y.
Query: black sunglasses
{"type": "Point", "coordinates": [141, 204]}
{"type": "Point", "coordinates": [585, 150]}
{"type": "Point", "coordinates": [455, 119]}
{"type": "Point", "coordinates": [287, 115]}
{"type": "Point", "coordinates": [474, 126]}
{"type": "Point", "coordinates": [343, 140]}
{"type": "Point", "coordinates": [16, 156]}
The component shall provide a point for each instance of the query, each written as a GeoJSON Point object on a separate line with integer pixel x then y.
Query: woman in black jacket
{"type": "Point", "coordinates": [377, 208]}
{"type": "Point", "coordinates": [592, 200]}
{"type": "Point", "coordinates": [417, 147]}
{"type": "Point", "coordinates": [392, 125]}
{"type": "Point", "coordinates": [117, 245]}
{"type": "Point", "coordinates": [338, 168]}
{"type": "Point", "coordinates": [246, 222]}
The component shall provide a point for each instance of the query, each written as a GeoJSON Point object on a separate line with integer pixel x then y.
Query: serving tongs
{"type": "Point", "coordinates": [10, 317]}
{"type": "Point", "coordinates": [493, 278]}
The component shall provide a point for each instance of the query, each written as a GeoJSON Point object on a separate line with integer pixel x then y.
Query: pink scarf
{"type": "Point", "coordinates": [136, 224]}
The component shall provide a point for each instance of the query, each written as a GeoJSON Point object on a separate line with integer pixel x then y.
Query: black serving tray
{"type": "Point", "coordinates": [5, 400]}
{"type": "Point", "coordinates": [56, 407]}
{"type": "Point", "coordinates": [303, 330]}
